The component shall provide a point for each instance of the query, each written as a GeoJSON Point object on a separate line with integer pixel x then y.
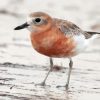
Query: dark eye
{"type": "Point", "coordinates": [37, 20]}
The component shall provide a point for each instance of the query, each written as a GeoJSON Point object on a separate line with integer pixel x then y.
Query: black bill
{"type": "Point", "coordinates": [25, 25]}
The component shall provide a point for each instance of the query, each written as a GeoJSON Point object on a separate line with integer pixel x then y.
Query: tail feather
{"type": "Point", "coordinates": [88, 34]}
{"type": "Point", "coordinates": [92, 33]}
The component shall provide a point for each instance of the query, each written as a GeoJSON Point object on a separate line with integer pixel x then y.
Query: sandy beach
{"type": "Point", "coordinates": [22, 67]}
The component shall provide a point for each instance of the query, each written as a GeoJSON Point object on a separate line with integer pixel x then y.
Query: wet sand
{"type": "Point", "coordinates": [22, 68]}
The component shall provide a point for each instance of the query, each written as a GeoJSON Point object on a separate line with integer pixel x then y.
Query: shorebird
{"type": "Point", "coordinates": [56, 38]}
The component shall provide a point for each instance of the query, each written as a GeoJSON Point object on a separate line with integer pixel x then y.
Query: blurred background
{"type": "Point", "coordinates": [16, 44]}
{"type": "Point", "coordinates": [15, 47]}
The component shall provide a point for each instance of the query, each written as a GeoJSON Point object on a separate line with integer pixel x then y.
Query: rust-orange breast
{"type": "Point", "coordinates": [53, 44]}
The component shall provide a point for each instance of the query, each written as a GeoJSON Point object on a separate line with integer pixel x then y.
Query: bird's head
{"type": "Point", "coordinates": [37, 22]}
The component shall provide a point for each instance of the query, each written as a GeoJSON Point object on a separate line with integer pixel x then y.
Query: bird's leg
{"type": "Point", "coordinates": [69, 73]}
{"type": "Point", "coordinates": [51, 66]}
{"type": "Point", "coordinates": [51, 62]}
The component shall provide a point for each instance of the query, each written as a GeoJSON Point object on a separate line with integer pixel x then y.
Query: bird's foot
{"type": "Point", "coordinates": [66, 86]}
{"type": "Point", "coordinates": [42, 84]}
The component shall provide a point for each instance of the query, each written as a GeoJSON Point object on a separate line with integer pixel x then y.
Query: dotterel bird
{"type": "Point", "coordinates": [55, 37]}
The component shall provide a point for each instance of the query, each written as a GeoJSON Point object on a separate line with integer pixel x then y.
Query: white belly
{"type": "Point", "coordinates": [81, 43]}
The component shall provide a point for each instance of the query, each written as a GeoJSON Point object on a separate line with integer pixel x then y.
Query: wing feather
{"type": "Point", "coordinates": [67, 27]}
